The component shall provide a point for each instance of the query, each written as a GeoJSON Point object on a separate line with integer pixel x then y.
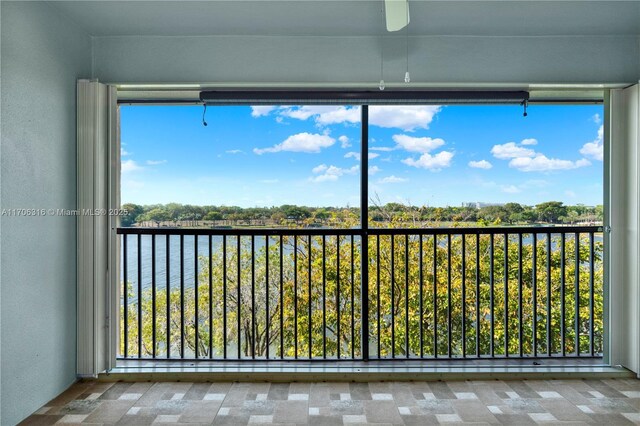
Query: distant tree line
{"type": "Point", "coordinates": [174, 214]}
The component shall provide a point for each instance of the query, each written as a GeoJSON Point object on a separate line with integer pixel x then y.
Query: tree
{"type": "Point", "coordinates": [312, 298]}
{"type": "Point", "coordinates": [213, 215]}
{"type": "Point", "coordinates": [296, 212]}
{"type": "Point", "coordinates": [156, 215]}
{"type": "Point", "coordinates": [551, 211]}
{"type": "Point", "coordinates": [321, 215]}
{"type": "Point", "coordinates": [599, 212]}
{"type": "Point", "coordinates": [133, 211]}
{"type": "Point", "coordinates": [513, 212]}
{"type": "Point", "coordinates": [494, 214]}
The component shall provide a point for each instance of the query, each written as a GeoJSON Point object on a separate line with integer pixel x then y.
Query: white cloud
{"type": "Point", "coordinates": [124, 153]}
{"type": "Point", "coordinates": [259, 111]}
{"type": "Point", "coordinates": [356, 155]}
{"type": "Point", "coordinates": [540, 163]}
{"type": "Point", "coordinates": [155, 162]}
{"type": "Point", "coordinates": [319, 169]}
{"type": "Point", "coordinates": [528, 160]}
{"type": "Point", "coordinates": [511, 150]}
{"type": "Point", "coordinates": [482, 164]}
{"type": "Point", "coordinates": [342, 114]}
{"type": "Point", "coordinates": [129, 166]}
{"type": "Point", "coordinates": [235, 151]}
{"type": "Point", "coordinates": [381, 148]}
{"type": "Point", "coordinates": [510, 189]}
{"type": "Point", "coordinates": [352, 154]}
{"type": "Point", "coordinates": [331, 173]}
{"type": "Point", "coordinates": [412, 144]}
{"type": "Point", "coordinates": [324, 114]}
{"type": "Point", "coordinates": [301, 142]}
{"type": "Point", "coordinates": [431, 162]}
{"type": "Point", "coordinates": [595, 149]}
{"type": "Point", "coordinates": [405, 117]}
{"type": "Point", "coordinates": [344, 141]}
{"type": "Point", "coordinates": [596, 118]}
{"type": "Point", "coordinates": [392, 179]}
{"type": "Point", "coordinates": [374, 169]}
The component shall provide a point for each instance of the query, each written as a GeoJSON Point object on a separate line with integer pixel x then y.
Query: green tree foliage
{"type": "Point", "coordinates": [551, 211]}
{"type": "Point", "coordinates": [490, 296]}
{"type": "Point", "coordinates": [133, 211]}
{"type": "Point", "coordinates": [174, 214]}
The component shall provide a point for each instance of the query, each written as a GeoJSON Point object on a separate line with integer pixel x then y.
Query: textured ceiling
{"type": "Point", "coordinates": [352, 18]}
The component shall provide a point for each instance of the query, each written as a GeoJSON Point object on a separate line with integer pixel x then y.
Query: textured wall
{"type": "Point", "coordinates": [435, 59]}
{"type": "Point", "coordinates": [42, 55]}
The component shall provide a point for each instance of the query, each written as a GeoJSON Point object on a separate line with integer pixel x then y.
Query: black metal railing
{"type": "Point", "coordinates": [286, 294]}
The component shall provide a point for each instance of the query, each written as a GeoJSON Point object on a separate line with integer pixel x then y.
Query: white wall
{"type": "Point", "coordinates": [42, 55]}
{"type": "Point", "coordinates": [446, 59]}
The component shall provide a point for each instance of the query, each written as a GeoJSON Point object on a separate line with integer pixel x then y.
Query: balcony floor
{"type": "Point", "coordinates": [521, 402]}
{"type": "Point", "coordinates": [359, 371]}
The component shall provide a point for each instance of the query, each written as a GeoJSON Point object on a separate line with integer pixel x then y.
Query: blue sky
{"type": "Point", "coordinates": [419, 155]}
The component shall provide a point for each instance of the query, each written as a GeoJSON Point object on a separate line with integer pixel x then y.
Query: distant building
{"type": "Point", "coordinates": [479, 205]}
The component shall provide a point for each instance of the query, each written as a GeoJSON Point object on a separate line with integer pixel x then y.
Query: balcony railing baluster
{"type": "Point", "coordinates": [195, 292]}
{"type": "Point", "coordinates": [210, 296]}
{"type": "Point", "coordinates": [548, 318]}
{"type": "Point", "coordinates": [411, 284]}
{"type": "Point", "coordinates": [153, 296]}
{"type": "Point", "coordinates": [534, 293]}
{"type": "Point", "coordinates": [591, 294]}
{"type": "Point", "coordinates": [577, 294]}
{"type": "Point", "coordinates": [139, 296]}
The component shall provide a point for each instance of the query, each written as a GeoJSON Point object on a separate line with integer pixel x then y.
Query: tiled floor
{"type": "Point", "coordinates": [601, 402]}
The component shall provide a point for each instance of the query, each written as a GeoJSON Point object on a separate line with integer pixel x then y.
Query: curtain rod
{"type": "Point", "coordinates": [306, 97]}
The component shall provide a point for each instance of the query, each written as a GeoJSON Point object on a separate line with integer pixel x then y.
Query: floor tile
{"type": "Point", "coordinates": [298, 397]}
{"type": "Point", "coordinates": [352, 418]}
{"type": "Point", "coordinates": [200, 412]}
{"type": "Point", "coordinates": [549, 394]}
{"type": "Point", "coordinates": [381, 412]}
{"type": "Point", "coordinates": [448, 418]}
{"type": "Point", "coordinates": [260, 419]}
{"type": "Point", "coordinates": [73, 418]}
{"type": "Point", "coordinates": [213, 397]}
{"type": "Point", "coordinates": [542, 417]}
{"type": "Point", "coordinates": [404, 411]}
{"type": "Point", "coordinates": [609, 402]}
{"type": "Point", "coordinates": [291, 412]}
{"type": "Point", "coordinates": [466, 395]}
{"type": "Point", "coordinates": [167, 418]}
{"type": "Point", "coordinates": [634, 417]}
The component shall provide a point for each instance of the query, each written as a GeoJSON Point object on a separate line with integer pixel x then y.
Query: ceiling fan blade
{"type": "Point", "coordinates": [397, 14]}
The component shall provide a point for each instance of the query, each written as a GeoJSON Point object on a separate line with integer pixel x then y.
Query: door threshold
{"type": "Point", "coordinates": [363, 372]}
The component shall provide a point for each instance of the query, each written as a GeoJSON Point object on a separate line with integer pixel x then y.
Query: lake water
{"type": "Point", "coordinates": [203, 251]}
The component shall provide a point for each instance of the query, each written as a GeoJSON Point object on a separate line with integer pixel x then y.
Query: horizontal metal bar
{"type": "Point", "coordinates": [360, 97]}
{"type": "Point", "coordinates": [485, 231]}
{"type": "Point", "coordinates": [234, 232]}
{"type": "Point", "coordinates": [356, 231]}
{"type": "Point", "coordinates": [347, 360]}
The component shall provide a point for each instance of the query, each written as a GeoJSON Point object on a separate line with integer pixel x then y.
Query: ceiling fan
{"type": "Point", "coordinates": [396, 14]}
